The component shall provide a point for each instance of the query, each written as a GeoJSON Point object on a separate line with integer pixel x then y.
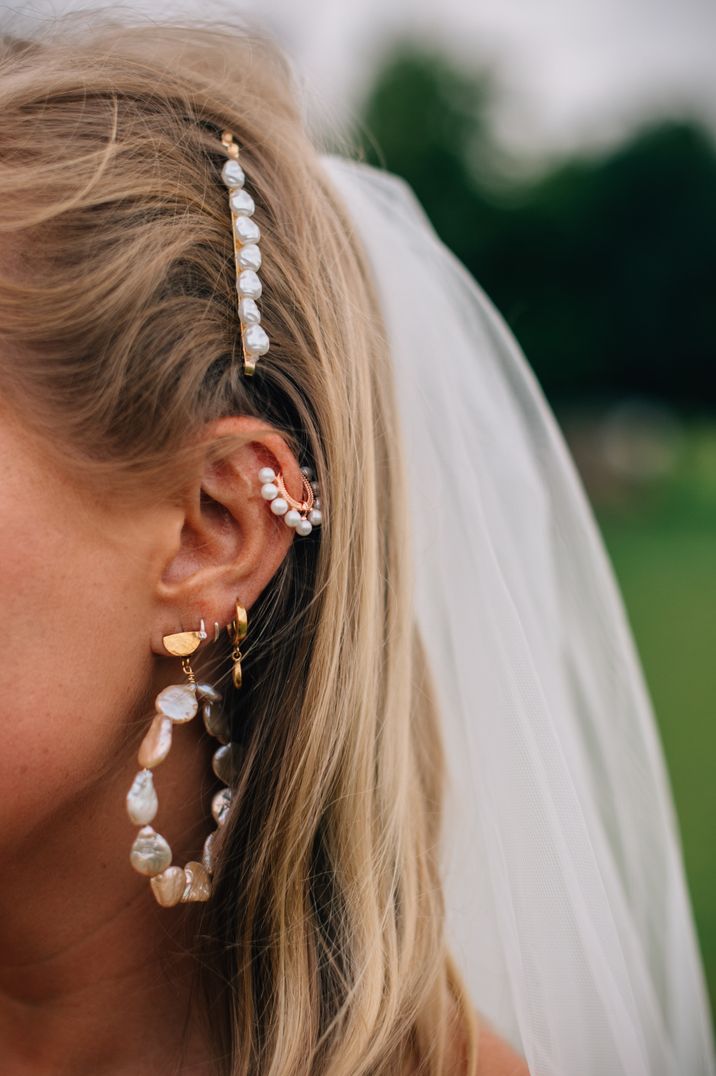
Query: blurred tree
{"type": "Point", "coordinates": [604, 267]}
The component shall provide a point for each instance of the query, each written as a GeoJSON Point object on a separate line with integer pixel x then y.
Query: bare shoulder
{"type": "Point", "coordinates": [495, 1056]}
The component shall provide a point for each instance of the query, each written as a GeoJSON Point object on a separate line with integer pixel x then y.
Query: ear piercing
{"type": "Point", "coordinates": [302, 515]}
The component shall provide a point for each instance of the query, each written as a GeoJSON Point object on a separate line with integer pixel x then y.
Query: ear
{"type": "Point", "coordinates": [227, 544]}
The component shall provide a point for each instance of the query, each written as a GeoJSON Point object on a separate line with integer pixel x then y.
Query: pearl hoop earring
{"type": "Point", "coordinates": [301, 515]}
{"type": "Point", "coordinates": [177, 704]}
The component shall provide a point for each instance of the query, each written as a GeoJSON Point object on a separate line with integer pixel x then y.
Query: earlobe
{"type": "Point", "coordinates": [231, 542]}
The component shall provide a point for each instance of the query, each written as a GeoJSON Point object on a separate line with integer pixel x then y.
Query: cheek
{"type": "Point", "coordinates": [75, 660]}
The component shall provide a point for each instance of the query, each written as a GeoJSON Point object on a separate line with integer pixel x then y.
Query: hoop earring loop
{"type": "Point", "coordinates": [175, 705]}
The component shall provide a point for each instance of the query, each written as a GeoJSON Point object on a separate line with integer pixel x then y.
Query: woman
{"type": "Point", "coordinates": [180, 460]}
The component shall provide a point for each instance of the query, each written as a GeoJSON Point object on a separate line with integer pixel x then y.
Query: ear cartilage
{"type": "Point", "coordinates": [301, 515]}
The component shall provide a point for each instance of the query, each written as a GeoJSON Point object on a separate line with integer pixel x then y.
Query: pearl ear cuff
{"type": "Point", "coordinates": [301, 515]}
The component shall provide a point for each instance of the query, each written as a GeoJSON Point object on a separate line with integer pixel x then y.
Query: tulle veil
{"type": "Point", "coordinates": [567, 907]}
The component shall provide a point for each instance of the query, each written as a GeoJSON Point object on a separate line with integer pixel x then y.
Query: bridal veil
{"type": "Point", "coordinates": [567, 908]}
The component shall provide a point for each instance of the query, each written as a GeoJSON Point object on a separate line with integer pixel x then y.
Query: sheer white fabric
{"type": "Point", "coordinates": [566, 901]}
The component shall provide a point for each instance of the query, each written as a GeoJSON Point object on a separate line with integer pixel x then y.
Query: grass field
{"type": "Point", "coordinates": [664, 551]}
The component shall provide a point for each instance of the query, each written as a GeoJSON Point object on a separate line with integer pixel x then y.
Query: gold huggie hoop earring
{"type": "Point", "coordinates": [237, 630]}
{"type": "Point", "coordinates": [175, 705]}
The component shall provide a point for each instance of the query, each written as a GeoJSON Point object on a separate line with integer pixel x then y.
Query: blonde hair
{"type": "Point", "coordinates": [323, 948]}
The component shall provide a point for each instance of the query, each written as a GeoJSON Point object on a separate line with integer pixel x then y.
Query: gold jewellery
{"type": "Point", "coordinates": [302, 516]}
{"type": "Point", "coordinates": [237, 628]}
{"type": "Point", "coordinates": [175, 705]}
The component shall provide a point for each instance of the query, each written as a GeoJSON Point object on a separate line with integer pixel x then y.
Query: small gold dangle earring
{"type": "Point", "coordinates": [237, 630]}
{"type": "Point", "coordinates": [175, 705]}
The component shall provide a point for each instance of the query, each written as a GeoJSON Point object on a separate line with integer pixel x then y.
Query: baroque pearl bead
{"type": "Point", "coordinates": [168, 886]}
{"type": "Point", "coordinates": [247, 230]}
{"type": "Point", "coordinates": [269, 491]}
{"type": "Point", "coordinates": [225, 763]}
{"type": "Point", "coordinates": [249, 284]}
{"type": "Point", "coordinates": [242, 203]}
{"type": "Point", "coordinates": [279, 506]}
{"type": "Point", "coordinates": [155, 746]}
{"type": "Point", "coordinates": [216, 722]}
{"type": "Point", "coordinates": [304, 528]}
{"type": "Point", "coordinates": [220, 805]}
{"type": "Point", "coordinates": [249, 314]}
{"type": "Point", "coordinates": [315, 518]}
{"type": "Point", "coordinates": [256, 340]}
{"type": "Point", "coordinates": [198, 885]}
{"type": "Point", "coordinates": [249, 256]}
{"type": "Point", "coordinates": [150, 852]}
{"type": "Point", "coordinates": [267, 474]}
{"type": "Point", "coordinates": [292, 517]}
{"type": "Point", "coordinates": [142, 802]}
{"type": "Point", "coordinates": [208, 692]}
{"type": "Point", "coordinates": [233, 174]}
{"type": "Point", "coordinates": [207, 854]}
{"type": "Point", "coordinates": [178, 701]}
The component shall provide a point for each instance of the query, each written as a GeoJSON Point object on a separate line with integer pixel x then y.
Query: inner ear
{"type": "Point", "coordinates": [230, 543]}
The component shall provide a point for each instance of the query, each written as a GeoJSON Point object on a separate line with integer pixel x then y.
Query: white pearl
{"type": "Point", "coordinates": [224, 763]}
{"type": "Point", "coordinates": [304, 528]}
{"type": "Point", "coordinates": [220, 805]}
{"type": "Point", "coordinates": [242, 203]}
{"type": "Point", "coordinates": [279, 506]}
{"type": "Point", "coordinates": [208, 692]}
{"type": "Point", "coordinates": [269, 491]}
{"type": "Point", "coordinates": [233, 174]}
{"type": "Point", "coordinates": [292, 517]}
{"type": "Point", "coordinates": [315, 518]}
{"type": "Point", "coordinates": [317, 502]}
{"type": "Point", "coordinates": [157, 743]}
{"type": "Point", "coordinates": [249, 256]}
{"type": "Point", "coordinates": [308, 472]}
{"type": "Point", "coordinates": [247, 230]}
{"type": "Point", "coordinates": [142, 802]}
{"type": "Point", "coordinates": [267, 474]}
{"type": "Point", "coordinates": [168, 886]}
{"type": "Point", "coordinates": [150, 852]}
{"type": "Point", "coordinates": [249, 313]}
{"type": "Point", "coordinates": [216, 722]}
{"type": "Point", "coordinates": [256, 340]}
{"type": "Point", "coordinates": [178, 701]}
{"type": "Point", "coordinates": [207, 854]}
{"type": "Point", "coordinates": [249, 284]}
{"type": "Point", "coordinates": [198, 882]}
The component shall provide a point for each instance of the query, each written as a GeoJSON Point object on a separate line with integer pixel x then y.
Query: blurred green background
{"type": "Point", "coordinates": [604, 265]}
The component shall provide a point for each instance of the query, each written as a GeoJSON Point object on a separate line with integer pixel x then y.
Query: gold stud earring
{"type": "Point", "coordinates": [237, 629]}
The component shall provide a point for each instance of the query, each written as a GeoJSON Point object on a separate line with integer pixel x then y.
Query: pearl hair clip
{"type": "Point", "coordinates": [247, 256]}
{"type": "Point", "coordinates": [302, 515]}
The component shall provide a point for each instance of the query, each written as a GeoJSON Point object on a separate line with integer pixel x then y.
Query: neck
{"type": "Point", "coordinates": [94, 973]}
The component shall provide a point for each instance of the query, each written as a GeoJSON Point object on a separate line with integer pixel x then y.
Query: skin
{"type": "Point", "coordinates": [88, 590]}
